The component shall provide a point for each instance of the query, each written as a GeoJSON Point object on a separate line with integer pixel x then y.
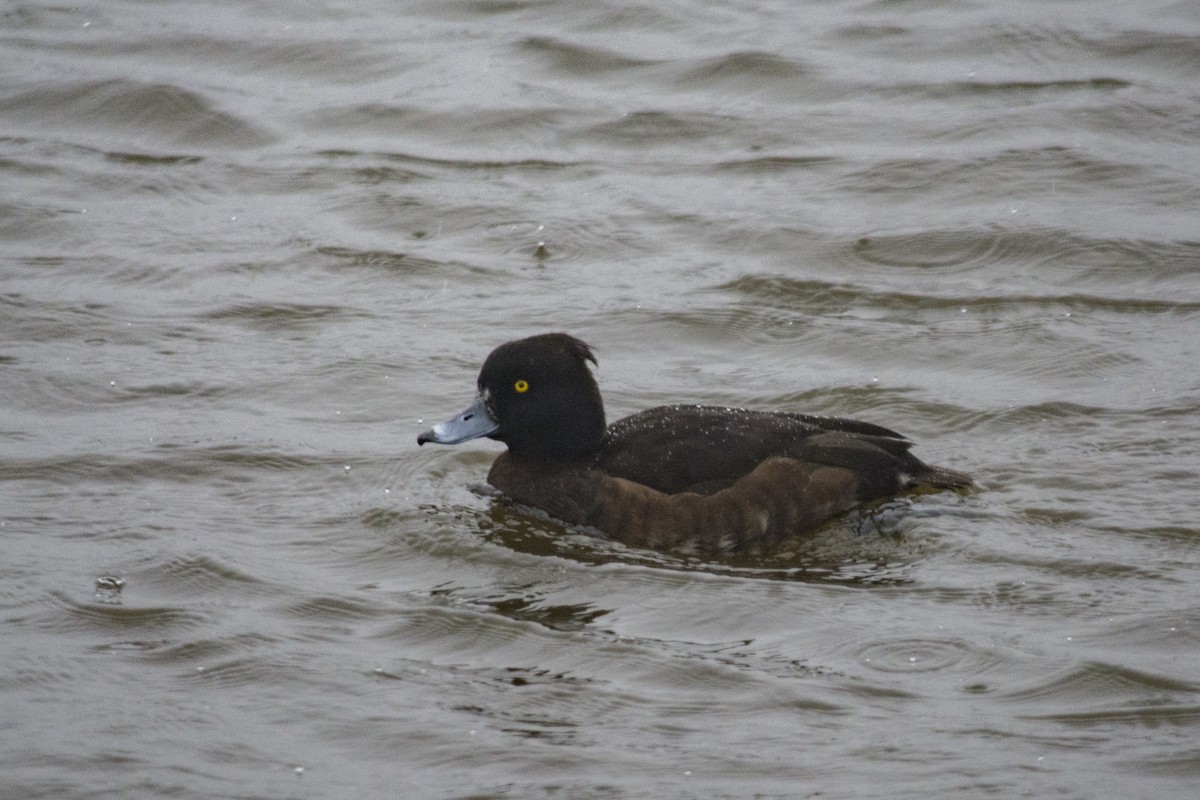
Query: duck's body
{"type": "Point", "coordinates": [683, 477]}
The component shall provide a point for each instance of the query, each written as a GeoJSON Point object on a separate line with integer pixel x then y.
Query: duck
{"type": "Point", "coordinates": [698, 479]}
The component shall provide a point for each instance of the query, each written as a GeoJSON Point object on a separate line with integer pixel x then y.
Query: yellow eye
{"type": "Point", "coordinates": [521, 386]}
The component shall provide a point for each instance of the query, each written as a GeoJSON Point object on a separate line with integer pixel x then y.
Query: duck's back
{"type": "Point", "coordinates": [704, 449]}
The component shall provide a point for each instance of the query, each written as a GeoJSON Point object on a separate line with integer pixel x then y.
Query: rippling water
{"type": "Point", "coordinates": [248, 252]}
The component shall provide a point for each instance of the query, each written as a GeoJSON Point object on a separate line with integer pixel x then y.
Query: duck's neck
{"type": "Point", "coordinates": [569, 429]}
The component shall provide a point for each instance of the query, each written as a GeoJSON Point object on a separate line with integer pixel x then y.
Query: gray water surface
{"type": "Point", "coordinates": [248, 251]}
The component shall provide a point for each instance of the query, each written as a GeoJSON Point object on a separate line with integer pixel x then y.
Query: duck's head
{"type": "Point", "coordinates": [536, 395]}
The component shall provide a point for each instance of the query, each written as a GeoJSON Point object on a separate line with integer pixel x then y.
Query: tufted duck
{"type": "Point", "coordinates": [682, 477]}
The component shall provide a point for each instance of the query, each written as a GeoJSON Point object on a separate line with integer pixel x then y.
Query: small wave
{"type": "Point", "coordinates": [161, 114]}
{"type": "Point", "coordinates": [579, 60]}
{"type": "Point", "coordinates": [125, 619]}
{"type": "Point", "coordinates": [1096, 693]}
{"type": "Point", "coordinates": [283, 316]}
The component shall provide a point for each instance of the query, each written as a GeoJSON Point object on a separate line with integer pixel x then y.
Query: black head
{"type": "Point", "coordinates": [536, 395]}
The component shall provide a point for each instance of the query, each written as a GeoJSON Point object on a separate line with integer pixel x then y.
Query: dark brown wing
{"type": "Point", "coordinates": [705, 449]}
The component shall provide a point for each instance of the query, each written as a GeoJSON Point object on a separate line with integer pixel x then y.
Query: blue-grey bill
{"type": "Point", "coordinates": [471, 423]}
